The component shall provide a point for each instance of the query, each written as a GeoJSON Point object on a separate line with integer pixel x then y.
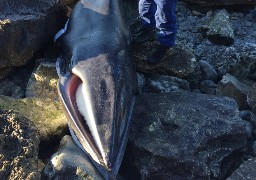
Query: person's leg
{"type": "Point", "coordinates": [166, 21]}
{"type": "Point", "coordinates": [147, 9]}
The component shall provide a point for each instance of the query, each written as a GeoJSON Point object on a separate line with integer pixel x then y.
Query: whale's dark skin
{"type": "Point", "coordinates": [95, 51]}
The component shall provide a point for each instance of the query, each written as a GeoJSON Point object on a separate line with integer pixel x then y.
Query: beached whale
{"type": "Point", "coordinates": [97, 82]}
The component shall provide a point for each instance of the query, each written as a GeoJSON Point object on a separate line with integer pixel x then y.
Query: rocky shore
{"type": "Point", "coordinates": [194, 117]}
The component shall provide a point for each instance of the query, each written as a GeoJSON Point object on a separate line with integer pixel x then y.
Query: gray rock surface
{"type": "Point", "coordinates": [25, 27]}
{"type": "Point", "coordinates": [70, 162]}
{"type": "Point", "coordinates": [219, 29]}
{"type": "Point", "coordinates": [162, 83]}
{"type": "Point", "coordinates": [43, 82]}
{"type": "Point", "coordinates": [19, 143]}
{"type": "Point", "coordinates": [245, 171]}
{"type": "Point", "coordinates": [238, 89]}
{"type": "Point", "coordinates": [178, 61]}
{"type": "Point", "coordinates": [182, 135]}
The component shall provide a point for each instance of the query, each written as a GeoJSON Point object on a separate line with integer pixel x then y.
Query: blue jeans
{"type": "Point", "coordinates": [160, 14]}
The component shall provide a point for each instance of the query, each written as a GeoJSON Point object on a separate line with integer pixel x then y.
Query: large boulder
{"type": "Point", "coordinates": [221, 2]}
{"type": "Point", "coordinates": [19, 142]}
{"type": "Point", "coordinates": [46, 114]}
{"type": "Point", "coordinates": [25, 27]}
{"type": "Point", "coordinates": [183, 135]}
{"type": "Point", "coordinates": [179, 61]}
{"type": "Point", "coordinates": [70, 162]}
{"type": "Point", "coordinates": [236, 88]}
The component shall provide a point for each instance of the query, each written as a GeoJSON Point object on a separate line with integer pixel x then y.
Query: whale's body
{"type": "Point", "coordinates": [97, 82]}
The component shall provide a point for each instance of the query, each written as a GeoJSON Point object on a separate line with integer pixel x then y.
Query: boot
{"type": "Point", "coordinates": [144, 35]}
{"type": "Point", "coordinates": [158, 54]}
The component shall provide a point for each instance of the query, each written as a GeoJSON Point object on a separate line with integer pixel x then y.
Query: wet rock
{"type": "Point", "coordinates": [251, 98]}
{"type": "Point", "coordinates": [46, 114]}
{"type": "Point", "coordinates": [245, 171]}
{"type": "Point", "coordinates": [162, 83]}
{"type": "Point", "coordinates": [70, 162]}
{"type": "Point", "coordinates": [207, 71]}
{"type": "Point", "coordinates": [19, 141]}
{"type": "Point", "coordinates": [182, 135]}
{"type": "Point", "coordinates": [208, 87]}
{"type": "Point", "coordinates": [219, 29]}
{"type": "Point", "coordinates": [221, 2]}
{"type": "Point", "coordinates": [43, 82]}
{"type": "Point", "coordinates": [25, 27]}
{"type": "Point", "coordinates": [238, 89]}
{"type": "Point", "coordinates": [178, 61]}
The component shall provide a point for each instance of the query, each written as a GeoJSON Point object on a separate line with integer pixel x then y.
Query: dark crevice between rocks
{"type": "Point", "coordinates": [50, 146]}
{"type": "Point", "coordinates": [231, 163]}
{"type": "Point", "coordinates": [128, 169]}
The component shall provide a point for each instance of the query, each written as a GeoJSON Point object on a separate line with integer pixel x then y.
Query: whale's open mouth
{"type": "Point", "coordinates": [98, 99]}
{"type": "Point", "coordinates": [70, 92]}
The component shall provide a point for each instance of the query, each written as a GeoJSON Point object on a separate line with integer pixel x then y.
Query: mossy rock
{"type": "Point", "coordinates": [46, 114]}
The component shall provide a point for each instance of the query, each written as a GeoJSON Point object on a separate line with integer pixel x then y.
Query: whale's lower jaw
{"type": "Point", "coordinates": [113, 171]}
{"type": "Point", "coordinates": [82, 135]}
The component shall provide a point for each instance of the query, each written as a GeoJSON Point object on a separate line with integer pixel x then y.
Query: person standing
{"type": "Point", "coordinates": [159, 14]}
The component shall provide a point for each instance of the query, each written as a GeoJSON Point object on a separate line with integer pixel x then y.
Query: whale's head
{"type": "Point", "coordinates": [98, 97]}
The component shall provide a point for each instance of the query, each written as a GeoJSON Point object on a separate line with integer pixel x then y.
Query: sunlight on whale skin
{"type": "Point", "coordinates": [97, 82]}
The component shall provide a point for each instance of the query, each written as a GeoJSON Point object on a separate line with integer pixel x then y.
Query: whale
{"type": "Point", "coordinates": [97, 81]}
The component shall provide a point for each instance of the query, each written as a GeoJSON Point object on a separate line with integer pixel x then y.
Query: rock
{"type": "Point", "coordinates": [207, 71]}
{"type": "Point", "coordinates": [162, 83]}
{"type": "Point", "coordinates": [43, 82]}
{"type": "Point", "coordinates": [245, 171]}
{"type": "Point", "coordinates": [208, 87]}
{"type": "Point", "coordinates": [238, 60]}
{"type": "Point", "coordinates": [236, 88]}
{"type": "Point", "coordinates": [250, 117]}
{"type": "Point", "coordinates": [25, 27]}
{"type": "Point", "coordinates": [19, 142]}
{"type": "Point", "coordinates": [183, 135]}
{"type": "Point", "coordinates": [219, 29]}
{"type": "Point", "coordinates": [70, 162]}
{"type": "Point", "coordinates": [178, 61]}
{"type": "Point", "coordinates": [221, 2]}
{"type": "Point", "coordinates": [141, 82]}
{"type": "Point", "coordinates": [241, 61]}
{"type": "Point", "coordinates": [46, 114]}
{"type": "Point", "coordinates": [251, 98]}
